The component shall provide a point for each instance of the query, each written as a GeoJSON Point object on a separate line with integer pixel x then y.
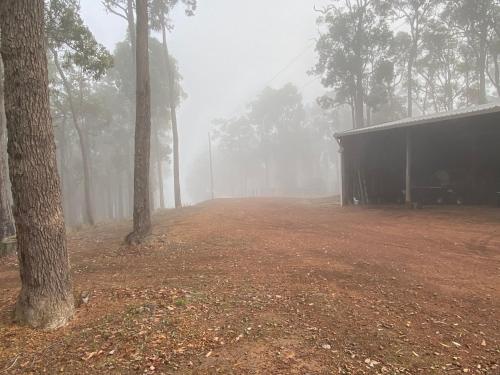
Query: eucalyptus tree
{"type": "Point", "coordinates": [493, 68]}
{"type": "Point", "coordinates": [416, 14]}
{"type": "Point", "coordinates": [278, 117]}
{"type": "Point", "coordinates": [142, 209]}
{"type": "Point", "coordinates": [46, 297]}
{"type": "Point", "coordinates": [439, 65]}
{"type": "Point", "coordinates": [476, 22]}
{"type": "Point", "coordinates": [276, 146]}
{"type": "Point", "coordinates": [124, 9]}
{"type": "Point", "coordinates": [76, 53]}
{"type": "Point", "coordinates": [160, 10]}
{"type": "Point", "coordinates": [354, 38]}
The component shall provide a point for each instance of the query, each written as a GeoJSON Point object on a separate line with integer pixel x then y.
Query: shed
{"type": "Point", "coordinates": [451, 157]}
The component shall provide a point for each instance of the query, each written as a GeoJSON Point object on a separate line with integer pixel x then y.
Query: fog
{"type": "Point", "coordinates": [266, 83]}
{"type": "Point", "coordinates": [227, 53]}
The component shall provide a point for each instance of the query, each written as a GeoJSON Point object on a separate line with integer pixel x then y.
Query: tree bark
{"type": "Point", "coordinates": [173, 115]}
{"type": "Point", "coordinates": [6, 220]}
{"type": "Point", "coordinates": [46, 298]}
{"type": "Point", "coordinates": [142, 214]}
{"type": "Point", "coordinates": [84, 149]}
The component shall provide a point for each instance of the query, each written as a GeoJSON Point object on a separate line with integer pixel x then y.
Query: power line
{"type": "Point", "coordinates": [309, 83]}
{"type": "Point", "coordinates": [284, 69]}
{"type": "Point", "coordinates": [281, 71]}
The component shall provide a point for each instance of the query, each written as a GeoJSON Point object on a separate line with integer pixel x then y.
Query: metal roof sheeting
{"type": "Point", "coordinates": [426, 120]}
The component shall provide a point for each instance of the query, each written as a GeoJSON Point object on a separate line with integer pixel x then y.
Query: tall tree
{"type": "Point", "coordinates": [353, 40]}
{"type": "Point", "coordinates": [173, 116]}
{"type": "Point", "coordinates": [6, 219]}
{"type": "Point", "coordinates": [142, 214]}
{"type": "Point", "coordinates": [416, 14]}
{"type": "Point", "coordinates": [475, 20]}
{"type": "Point", "coordinates": [73, 47]}
{"type": "Point", "coordinates": [124, 9]}
{"type": "Point", "coordinates": [46, 298]}
{"type": "Point", "coordinates": [439, 64]}
{"type": "Point", "coordinates": [160, 17]}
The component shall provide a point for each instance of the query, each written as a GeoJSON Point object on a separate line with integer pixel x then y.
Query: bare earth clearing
{"type": "Point", "coordinates": [276, 287]}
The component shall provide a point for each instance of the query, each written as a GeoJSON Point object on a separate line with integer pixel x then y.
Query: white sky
{"type": "Point", "coordinates": [227, 53]}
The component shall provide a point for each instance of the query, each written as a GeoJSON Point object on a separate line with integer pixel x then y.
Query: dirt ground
{"type": "Point", "coordinates": [269, 286]}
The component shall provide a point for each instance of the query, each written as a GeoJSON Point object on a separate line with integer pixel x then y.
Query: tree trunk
{"type": "Point", "coordinates": [467, 87]}
{"type": "Point", "coordinates": [410, 82]}
{"type": "Point", "coordinates": [482, 71]}
{"type": "Point", "coordinates": [497, 73]}
{"type": "Point", "coordinates": [359, 104]}
{"type": "Point", "coordinates": [110, 200]}
{"type": "Point", "coordinates": [159, 170]}
{"type": "Point", "coordinates": [173, 115]}
{"type": "Point", "coordinates": [142, 214]}
{"type": "Point", "coordinates": [6, 219]}
{"type": "Point", "coordinates": [61, 138]}
{"type": "Point", "coordinates": [121, 211]}
{"type": "Point", "coordinates": [46, 298]}
{"type": "Point", "coordinates": [131, 26]}
{"type": "Point", "coordinates": [84, 148]}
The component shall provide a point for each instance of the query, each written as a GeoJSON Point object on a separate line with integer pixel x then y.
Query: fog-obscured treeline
{"type": "Point", "coordinates": [379, 61]}
{"type": "Point", "coordinates": [93, 105]}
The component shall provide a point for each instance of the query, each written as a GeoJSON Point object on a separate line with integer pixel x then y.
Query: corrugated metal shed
{"type": "Point", "coordinates": [435, 118]}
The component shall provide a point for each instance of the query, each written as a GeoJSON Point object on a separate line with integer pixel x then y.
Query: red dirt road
{"type": "Point", "coordinates": [276, 287]}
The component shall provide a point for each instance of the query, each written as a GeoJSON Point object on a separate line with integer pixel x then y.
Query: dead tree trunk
{"type": "Point", "coordinates": [142, 214]}
{"type": "Point", "coordinates": [46, 298]}
{"type": "Point", "coordinates": [173, 115]}
{"type": "Point", "coordinates": [6, 219]}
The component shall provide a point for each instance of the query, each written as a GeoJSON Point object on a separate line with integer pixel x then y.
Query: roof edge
{"type": "Point", "coordinates": [424, 120]}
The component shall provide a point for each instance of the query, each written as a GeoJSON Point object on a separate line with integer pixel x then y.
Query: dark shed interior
{"type": "Point", "coordinates": [451, 161]}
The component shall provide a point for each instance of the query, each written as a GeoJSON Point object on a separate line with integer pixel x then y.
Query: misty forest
{"type": "Point", "coordinates": [264, 187]}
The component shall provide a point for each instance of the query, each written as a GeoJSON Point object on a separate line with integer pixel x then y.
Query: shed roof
{"type": "Point", "coordinates": [434, 118]}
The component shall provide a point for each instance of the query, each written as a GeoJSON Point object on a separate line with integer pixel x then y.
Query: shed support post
{"type": "Point", "coordinates": [408, 197]}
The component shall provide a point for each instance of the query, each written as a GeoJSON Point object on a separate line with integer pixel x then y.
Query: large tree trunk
{"type": "Point", "coordinates": [142, 214]}
{"type": "Point", "coordinates": [6, 219]}
{"type": "Point", "coordinates": [46, 298]}
{"type": "Point", "coordinates": [84, 148]}
{"type": "Point", "coordinates": [173, 115]}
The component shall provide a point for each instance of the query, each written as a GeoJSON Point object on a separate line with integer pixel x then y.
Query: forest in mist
{"type": "Point", "coordinates": [377, 60]}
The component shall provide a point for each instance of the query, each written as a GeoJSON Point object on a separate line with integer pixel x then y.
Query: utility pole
{"type": "Point", "coordinates": [211, 166]}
